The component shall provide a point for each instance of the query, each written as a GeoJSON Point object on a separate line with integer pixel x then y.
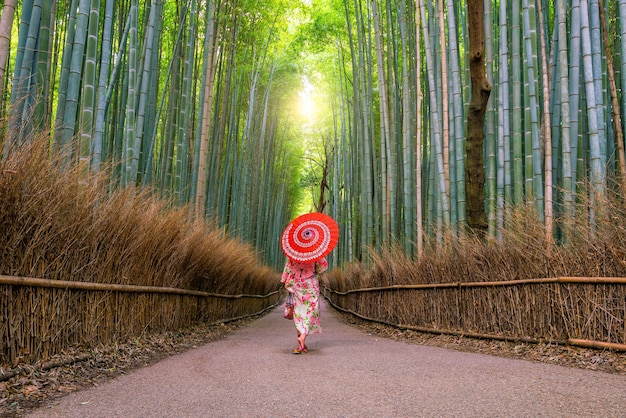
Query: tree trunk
{"type": "Point", "coordinates": [321, 200]}
{"type": "Point", "coordinates": [481, 89]}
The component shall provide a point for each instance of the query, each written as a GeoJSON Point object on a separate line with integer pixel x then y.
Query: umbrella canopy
{"type": "Point", "coordinates": [310, 237]}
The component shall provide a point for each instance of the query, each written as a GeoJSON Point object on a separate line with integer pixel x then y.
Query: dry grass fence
{"type": "Point", "coordinates": [518, 288]}
{"type": "Point", "coordinates": [42, 318]}
{"type": "Point", "coordinates": [583, 311]}
{"type": "Point", "coordinates": [85, 264]}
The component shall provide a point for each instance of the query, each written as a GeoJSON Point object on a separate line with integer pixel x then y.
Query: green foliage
{"type": "Point", "coordinates": [261, 157]}
{"type": "Point", "coordinates": [322, 27]}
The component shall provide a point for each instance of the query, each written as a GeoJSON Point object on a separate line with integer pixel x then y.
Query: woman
{"type": "Point", "coordinates": [300, 279]}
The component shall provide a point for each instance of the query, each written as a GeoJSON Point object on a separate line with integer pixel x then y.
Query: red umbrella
{"type": "Point", "coordinates": [310, 237]}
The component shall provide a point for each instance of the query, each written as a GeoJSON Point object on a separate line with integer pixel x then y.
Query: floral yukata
{"type": "Point", "coordinates": [300, 279]}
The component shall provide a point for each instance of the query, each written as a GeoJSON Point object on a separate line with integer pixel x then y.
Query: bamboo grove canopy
{"type": "Point", "coordinates": [196, 99]}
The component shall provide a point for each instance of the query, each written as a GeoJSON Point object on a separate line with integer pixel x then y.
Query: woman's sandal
{"type": "Point", "coordinates": [300, 350]}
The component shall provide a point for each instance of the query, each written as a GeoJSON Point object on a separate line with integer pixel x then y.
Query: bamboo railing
{"type": "Point", "coordinates": [581, 311]}
{"type": "Point", "coordinates": [43, 318]}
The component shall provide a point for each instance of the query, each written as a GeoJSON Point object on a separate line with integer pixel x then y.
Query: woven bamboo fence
{"type": "Point", "coordinates": [583, 311]}
{"type": "Point", "coordinates": [42, 318]}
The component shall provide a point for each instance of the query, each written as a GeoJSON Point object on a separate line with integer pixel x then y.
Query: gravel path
{"type": "Point", "coordinates": [346, 373]}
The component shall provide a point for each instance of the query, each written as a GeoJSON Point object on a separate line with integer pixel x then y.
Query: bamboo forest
{"type": "Point", "coordinates": [404, 120]}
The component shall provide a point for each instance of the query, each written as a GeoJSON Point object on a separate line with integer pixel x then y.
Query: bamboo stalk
{"type": "Point", "coordinates": [579, 280]}
{"type": "Point", "coordinates": [595, 344]}
{"type": "Point", "coordinates": [593, 280]}
{"type": "Point", "coordinates": [4, 376]}
{"type": "Point", "coordinates": [65, 284]}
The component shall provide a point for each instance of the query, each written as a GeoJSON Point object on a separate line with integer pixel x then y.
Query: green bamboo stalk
{"type": "Point", "coordinates": [171, 90]}
{"type": "Point", "coordinates": [516, 105]}
{"type": "Point", "coordinates": [342, 167]}
{"type": "Point", "coordinates": [89, 89]}
{"type": "Point", "coordinates": [70, 115]}
{"type": "Point", "coordinates": [117, 101]}
{"type": "Point", "coordinates": [363, 94]}
{"type": "Point", "coordinates": [565, 109]}
{"type": "Point", "coordinates": [503, 175]}
{"type": "Point", "coordinates": [64, 79]}
{"type": "Point", "coordinates": [186, 109]}
{"type": "Point", "coordinates": [19, 124]}
{"type": "Point", "coordinates": [418, 136]}
{"type": "Point", "coordinates": [219, 131]}
{"type": "Point", "coordinates": [599, 78]}
{"type": "Point", "coordinates": [575, 55]}
{"type": "Point", "coordinates": [490, 127]}
{"type": "Point", "coordinates": [200, 203]}
{"type": "Point", "coordinates": [144, 104]}
{"type": "Point", "coordinates": [457, 189]}
{"type": "Point", "coordinates": [351, 175]}
{"type": "Point", "coordinates": [154, 106]}
{"type": "Point", "coordinates": [105, 64]}
{"type": "Point", "coordinates": [385, 134]}
{"type": "Point", "coordinates": [445, 118]}
{"type": "Point", "coordinates": [533, 160]}
{"type": "Point", "coordinates": [435, 127]}
{"type": "Point", "coordinates": [597, 174]}
{"type": "Point", "coordinates": [129, 156]}
{"type": "Point", "coordinates": [394, 124]}
{"type": "Point", "coordinates": [166, 168]}
{"type": "Point", "coordinates": [408, 195]}
{"type": "Point", "coordinates": [41, 115]}
{"type": "Point", "coordinates": [547, 169]}
{"type": "Point", "coordinates": [208, 38]}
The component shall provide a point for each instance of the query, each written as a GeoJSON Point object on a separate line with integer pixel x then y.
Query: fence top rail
{"type": "Point", "coordinates": [111, 287]}
{"type": "Point", "coordinates": [562, 279]}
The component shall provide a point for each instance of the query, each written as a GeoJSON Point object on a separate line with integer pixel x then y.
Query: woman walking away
{"type": "Point", "coordinates": [306, 241]}
{"type": "Point", "coordinates": [300, 279]}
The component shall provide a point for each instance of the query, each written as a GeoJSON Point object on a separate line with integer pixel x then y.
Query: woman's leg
{"type": "Point", "coordinates": [301, 340]}
{"type": "Point", "coordinates": [301, 345]}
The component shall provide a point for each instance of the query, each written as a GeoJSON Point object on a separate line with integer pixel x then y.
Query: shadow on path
{"type": "Point", "coordinates": [346, 373]}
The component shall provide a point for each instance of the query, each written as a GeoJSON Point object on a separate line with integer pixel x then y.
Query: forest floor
{"type": "Point", "coordinates": [35, 388]}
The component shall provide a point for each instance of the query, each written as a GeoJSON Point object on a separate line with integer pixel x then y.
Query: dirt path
{"type": "Point", "coordinates": [346, 373]}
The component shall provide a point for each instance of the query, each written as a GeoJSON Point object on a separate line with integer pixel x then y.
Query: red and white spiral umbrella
{"type": "Point", "coordinates": [310, 237]}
